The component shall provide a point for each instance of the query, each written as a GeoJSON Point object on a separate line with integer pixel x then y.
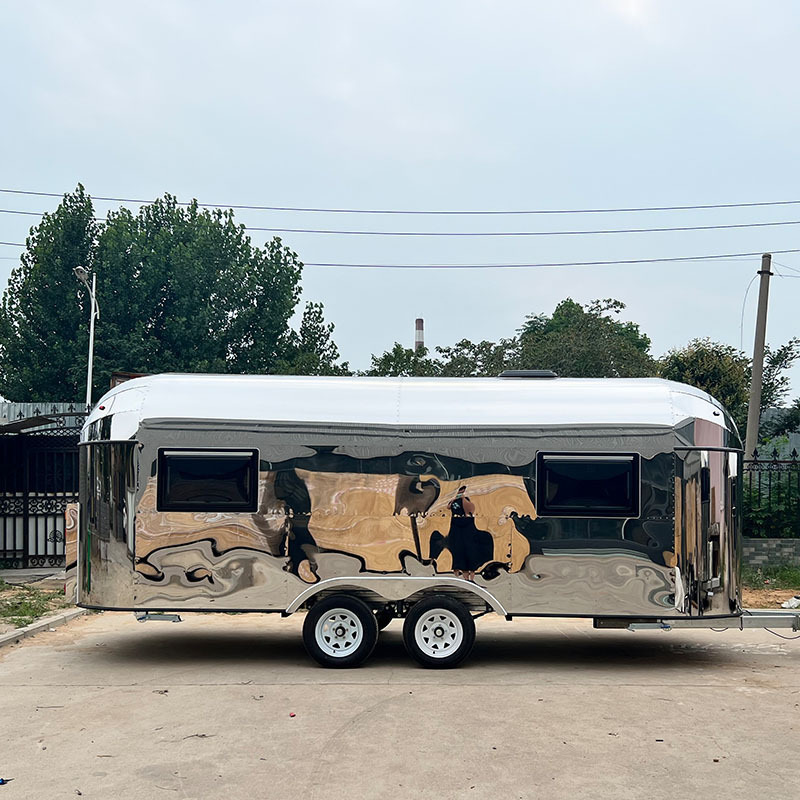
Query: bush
{"type": "Point", "coordinates": [773, 576]}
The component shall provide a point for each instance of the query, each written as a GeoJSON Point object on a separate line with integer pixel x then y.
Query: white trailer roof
{"type": "Point", "coordinates": [473, 402]}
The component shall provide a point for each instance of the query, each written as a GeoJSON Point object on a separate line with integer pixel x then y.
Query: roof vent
{"type": "Point", "coordinates": [528, 373]}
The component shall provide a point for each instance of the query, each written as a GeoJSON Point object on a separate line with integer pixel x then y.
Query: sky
{"type": "Point", "coordinates": [575, 104]}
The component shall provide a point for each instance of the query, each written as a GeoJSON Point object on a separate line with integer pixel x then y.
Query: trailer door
{"type": "Point", "coordinates": [706, 530]}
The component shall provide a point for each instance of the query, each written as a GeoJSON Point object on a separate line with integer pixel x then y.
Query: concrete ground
{"type": "Point", "coordinates": [229, 706]}
{"type": "Point", "coordinates": [43, 578]}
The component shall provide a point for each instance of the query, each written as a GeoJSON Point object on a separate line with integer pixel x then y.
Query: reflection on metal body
{"type": "Point", "coordinates": [707, 530]}
{"type": "Point", "coordinates": [71, 551]}
{"type": "Point", "coordinates": [390, 488]}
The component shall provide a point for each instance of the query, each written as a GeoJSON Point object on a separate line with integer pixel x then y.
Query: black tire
{"type": "Point", "coordinates": [383, 616]}
{"type": "Point", "coordinates": [344, 642]}
{"type": "Point", "coordinates": [439, 632]}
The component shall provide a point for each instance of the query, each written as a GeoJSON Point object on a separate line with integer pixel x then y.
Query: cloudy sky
{"type": "Point", "coordinates": [566, 104]}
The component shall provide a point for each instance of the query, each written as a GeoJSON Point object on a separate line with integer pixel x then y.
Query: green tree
{"type": "Point", "coordinates": [580, 341]}
{"type": "Point", "coordinates": [468, 359]}
{"type": "Point", "coordinates": [724, 372]}
{"type": "Point", "coordinates": [44, 314]}
{"type": "Point", "coordinates": [180, 289]}
{"type": "Point", "coordinates": [402, 361]}
{"type": "Point", "coordinates": [777, 361]}
{"type": "Point", "coordinates": [576, 341]}
{"type": "Point", "coordinates": [786, 421]}
{"type": "Point", "coordinates": [312, 350]}
{"type": "Point", "coordinates": [719, 369]}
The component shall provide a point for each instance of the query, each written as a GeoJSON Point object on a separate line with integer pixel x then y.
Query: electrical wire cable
{"type": "Point", "coordinates": [314, 209]}
{"type": "Point", "coordinates": [595, 232]}
{"type": "Point", "coordinates": [781, 636]}
{"type": "Point", "coordinates": [741, 321]}
{"type": "Point", "coordinates": [786, 266]}
{"type": "Point", "coordinates": [667, 229]}
{"type": "Point", "coordinates": [610, 262]}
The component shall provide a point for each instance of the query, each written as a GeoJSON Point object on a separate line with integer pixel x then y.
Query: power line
{"type": "Point", "coordinates": [668, 229]}
{"type": "Point", "coordinates": [528, 233]}
{"type": "Point", "coordinates": [610, 262]}
{"type": "Point", "coordinates": [741, 321]}
{"type": "Point", "coordinates": [313, 209]}
{"type": "Point", "coordinates": [786, 266]}
{"type": "Point", "coordinates": [621, 262]}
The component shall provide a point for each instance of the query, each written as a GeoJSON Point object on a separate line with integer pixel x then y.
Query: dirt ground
{"type": "Point", "coordinates": [766, 598]}
{"type": "Point", "coordinates": [21, 605]}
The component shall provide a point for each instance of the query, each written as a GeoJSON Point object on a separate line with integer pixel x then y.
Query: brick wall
{"type": "Point", "coordinates": [758, 552]}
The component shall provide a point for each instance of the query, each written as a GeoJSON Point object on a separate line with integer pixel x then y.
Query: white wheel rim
{"type": "Point", "coordinates": [439, 633]}
{"type": "Point", "coordinates": [339, 633]}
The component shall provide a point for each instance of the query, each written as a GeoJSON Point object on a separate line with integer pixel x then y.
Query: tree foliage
{"type": "Point", "coordinates": [311, 350]}
{"type": "Point", "coordinates": [180, 289]}
{"type": "Point", "coordinates": [468, 359]}
{"type": "Point", "coordinates": [44, 315]}
{"type": "Point", "coordinates": [783, 422]}
{"type": "Point", "coordinates": [777, 361]}
{"type": "Point", "coordinates": [719, 369]}
{"type": "Point", "coordinates": [576, 341]}
{"type": "Point", "coordinates": [580, 341]}
{"type": "Point", "coordinates": [403, 361]}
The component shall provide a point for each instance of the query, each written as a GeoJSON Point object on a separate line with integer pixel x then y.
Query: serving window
{"type": "Point", "coordinates": [574, 485]}
{"type": "Point", "coordinates": [207, 480]}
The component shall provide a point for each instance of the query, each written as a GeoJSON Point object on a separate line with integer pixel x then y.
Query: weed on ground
{"type": "Point", "coordinates": [22, 605]}
{"type": "Point", "coordinates": [778, 576]}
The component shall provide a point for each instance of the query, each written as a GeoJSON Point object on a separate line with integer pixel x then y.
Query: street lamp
{"type": "Point", "coordinates": [82, 274]}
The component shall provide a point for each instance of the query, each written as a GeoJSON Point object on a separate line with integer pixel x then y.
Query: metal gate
{"type": "Point", "coordinates": [38, 477]}
{"type": "Point", "coordinates": [772, 496]}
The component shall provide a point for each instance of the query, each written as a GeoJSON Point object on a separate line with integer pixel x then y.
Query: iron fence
{"type": "Point", "coordinates": [771, 501]}
{"type": "Point", "coordinates": [38, 477]}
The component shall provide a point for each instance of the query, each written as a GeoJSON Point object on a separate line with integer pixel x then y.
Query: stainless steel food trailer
{"type": "Point", "coordinates": [430, 499]}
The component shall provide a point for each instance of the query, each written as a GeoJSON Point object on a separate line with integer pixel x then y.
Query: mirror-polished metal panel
{"type": "Point", "coordinates": [707, 531]}
{"type": "Point", "coordinates": [371, 506]}
{"type": "Point", "coordinates": [106, 524]}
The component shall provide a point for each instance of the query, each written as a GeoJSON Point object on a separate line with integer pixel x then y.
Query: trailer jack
{"type": "Point", "coordinates": [151, 616]}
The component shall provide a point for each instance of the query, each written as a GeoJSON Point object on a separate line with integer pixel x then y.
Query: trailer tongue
{"type": "Point", "coordinates": [750, 618]}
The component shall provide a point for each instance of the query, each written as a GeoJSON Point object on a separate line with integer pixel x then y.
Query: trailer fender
{"type": "Point", "coordinates": [397, 588]}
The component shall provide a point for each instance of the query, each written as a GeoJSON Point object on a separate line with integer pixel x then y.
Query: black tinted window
{"type": "Point", "coordinates": [207, 481]}
{"type": "Point", "coordinates": [588, 486]}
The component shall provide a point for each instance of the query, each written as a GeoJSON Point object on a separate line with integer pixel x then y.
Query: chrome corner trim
{"type": "Point", "coordinates": [373, 583]}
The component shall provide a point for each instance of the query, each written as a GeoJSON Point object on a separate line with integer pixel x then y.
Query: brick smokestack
{"type": "Point", "coordinates": [419, 335]}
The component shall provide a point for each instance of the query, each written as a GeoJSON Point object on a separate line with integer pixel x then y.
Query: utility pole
{"type": "Point", "coordinates": [756, 380]}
